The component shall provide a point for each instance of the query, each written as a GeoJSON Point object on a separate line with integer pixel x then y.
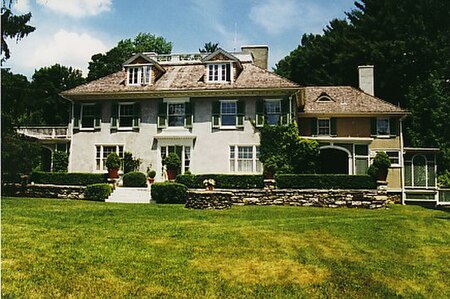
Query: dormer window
{"type": "Point", "coordinates": [139, 75]}
{"type": "Point", "coordinates": [219, 72]}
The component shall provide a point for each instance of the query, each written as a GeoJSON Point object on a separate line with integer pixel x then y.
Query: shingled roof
{"type": "Point", "coordinates": [188, 77]}
{"type": "Point", "coordinates": [343, 100]}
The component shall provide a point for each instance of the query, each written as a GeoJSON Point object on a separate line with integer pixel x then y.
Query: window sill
{"type": "Point", "coordinates": [383, 136]}
{"type": "Point", "coordinates": [125, 129]}
{"type": "Point", "coordinates": [227, 128]}
{"type": "Point", "coordinates": [87, 129]}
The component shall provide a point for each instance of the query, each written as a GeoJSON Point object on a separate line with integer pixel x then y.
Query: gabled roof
{"type": "Point", "coordinates": [145, 58]}
{"type": "Point", "coordinates": [346, 100]}
{"type": "Point", "coordinates": [230, 56]}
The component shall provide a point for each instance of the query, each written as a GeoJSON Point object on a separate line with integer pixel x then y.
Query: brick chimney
{"type": "Point", "coordinates": [260, 54]}
{"type": "Point", "coordinates": [366, 79]}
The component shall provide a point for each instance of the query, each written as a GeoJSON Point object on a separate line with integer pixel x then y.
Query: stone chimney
{"type": "Point", "coordinates": [366, 79]}
{"type": "Point", "coordinates": [260, 54]}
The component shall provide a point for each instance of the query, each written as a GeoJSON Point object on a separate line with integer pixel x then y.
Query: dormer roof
{"type": "Point", "coordinates": [140, 58]}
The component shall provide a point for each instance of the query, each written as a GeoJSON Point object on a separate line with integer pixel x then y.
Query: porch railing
{"type": "Point", "coordinates": [444, 196]}
{"type": "Point", "coordinates": [45, 132]}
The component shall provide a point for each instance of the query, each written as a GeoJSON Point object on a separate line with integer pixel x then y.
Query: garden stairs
{"type": "Point", "coordinates": [130, 195]}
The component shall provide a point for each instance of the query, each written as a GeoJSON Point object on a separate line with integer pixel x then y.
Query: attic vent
{"type": "Point", "coordinates": [324, 97]}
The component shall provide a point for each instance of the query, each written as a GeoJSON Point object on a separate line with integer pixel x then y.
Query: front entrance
{"type": "Point", "coordinates": [333, 161]}
{"type": "Point", "coordinates": [184, 152]}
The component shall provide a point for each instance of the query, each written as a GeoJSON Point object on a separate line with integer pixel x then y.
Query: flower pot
{"type": "Point", "coordinates": [381, 174]}
{"type": "Point", "coordinates": [113, 173]}
{"type": "Point", "coordinates": [209, 188]}
{"type": "Point", "coordinates": [151, 180]}
{"type": "Point", "coordinates": [171, 174]}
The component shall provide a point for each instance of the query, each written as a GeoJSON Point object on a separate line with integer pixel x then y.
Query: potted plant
{"type": "Point", "coordinates": [209, 184]}
{"type": "Point", "coordinates": [380, 166]}
{"type": "Point", "coordinates": [172, 163]}
{"type": "Point", "coordinates": [113, 163]}
{"type": "Point", "coordinates": [151, 173]}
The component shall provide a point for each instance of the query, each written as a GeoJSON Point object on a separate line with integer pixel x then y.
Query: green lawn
{"type": "Point", "coordinates": [56, 248]}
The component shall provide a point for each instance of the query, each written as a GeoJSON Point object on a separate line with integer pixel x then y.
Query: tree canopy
{"type": "Point", "coordinates": [209, 47]}
{"type": "Point", "coordinates": [110, 62]}
{"type": "Point", "coordinates": [409, 45]}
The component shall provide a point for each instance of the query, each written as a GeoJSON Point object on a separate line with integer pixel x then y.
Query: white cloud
{"type": "Point", "coordinates": [21, 6]}
{"type": "Point", "coordinates": [274, 15]}
{"type": "Point", "coordinates": [63, 47]}
{"type": "Point", "coordinates": [77, 8]}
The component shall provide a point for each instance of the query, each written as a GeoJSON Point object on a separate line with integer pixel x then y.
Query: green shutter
{"type": "Point", "coordinates": [76, 115]}
{"type": "Point", "coordinates": [114, 115]}
{"type": "Point", "coordinates": [98, 116]}
{"type": "Point", "coordinates": [260, 117]}
{"type": "Point", "coordinates": [373, 126]}
{"type": "Point", "coordinates": [333, 128]}
{"type": "Point", "coordinates": [215, 114]}
{"type": "Point", "coordinates": [313, 126]}
{"type": "Point", "coordinates": [240, 114]}
{"type": "Point", "coordinates": [188, 120]}
{"type": "Point", "coordinates": [162, 114]}
{"type": "Point", "coordinates": [285, 111]}
{"type": "Point", "coordinates": [136, 115]}
{"type": "Point", "coordinates": [228, 72]}
{"type": "Point", "coordinates": [393, 126]}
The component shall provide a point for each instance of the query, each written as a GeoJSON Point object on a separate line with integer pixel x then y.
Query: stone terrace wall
{"type": "Point", "coordinates": [44, 191]}
{"type": "Point", "coordinates": [220, 199]}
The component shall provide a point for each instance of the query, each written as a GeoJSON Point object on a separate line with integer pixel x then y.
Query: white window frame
{"type": "Point", "coordinates": [143, 73]}
{"type": "Point", "coordinates": [81, 118]}
{"type": "Point", "coordinates": [356, 156]}
{"type": "Point", "coordinates": [119, 125]}
{"type": "Point", "coordinates": [101, 162]}
{"type": "Point", "coordinates": [388, 131]}
{"type": "Point", "coordinates": [278, 101]}
{"type": "Point", "coordinates": [186, 151]}
{"type": "Point", "coordinates": [235, 114]}
{"type": "Point", "coordinates": [235, 160]}
{"type": "Point", "coordinates": [221, 72]}
{"type": "Point", "coordinates": [319, 127]}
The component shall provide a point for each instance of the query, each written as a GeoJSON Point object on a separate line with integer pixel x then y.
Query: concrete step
{"type": "Point", "coordinates": [130, 195]}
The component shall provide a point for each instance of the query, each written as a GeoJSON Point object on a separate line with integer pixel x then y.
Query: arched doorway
{"type": "Point", "coordinates": [333, 161]}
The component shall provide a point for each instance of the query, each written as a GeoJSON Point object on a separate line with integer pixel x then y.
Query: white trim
{"type": "Point", "coordinates": [140, 69]}
{"type": "Point", "coordinates": [101, 170]}
{"type": "Point", "coordinates": [235, 160]}
{"type": "Point", "coordinates": [229, 127]}
{"type": "Point", "coordinates": [318, 127]}
{"type": "Point", "coordinates": [82, 105]}
{"type": "Point", "coordinates": [350, 155]}
{"type": "Point", "coordinates": [119, 127]}
{"type": "Point", "coordinates": [221, 67]}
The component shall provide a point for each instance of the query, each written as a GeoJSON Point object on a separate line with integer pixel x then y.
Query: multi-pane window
{"type": "Point", "coordinates": [139, 75]}
{"type": "Point", "coordinates": [383, 126]}
{"type": "Point", "coordinates": [323, 127]}
{"type": "Point", "coordinates": [102, 152]}
{"type": "Point", "coordinates": [176, 114]}
{"type": "Point", "coordinates": [245, 159]}
{"type": "Point", "coordinates": [420, 171]}
{"type": "Point", "coordinates": [361, 159]}
{"type": "Point", "coordinates": [273, 111]}
{"type": "Point", "coordinates": [126, 114]}
{"type": "Point", "coordinates": [219, 72]}
{"type": "Point", "coordinates": [228, 112]}
{"type": "Point", "coordinates": [87, 116]}
{"type": "Point", "coordinates": [184, 152]}
{"type": "Point", "coordinates": [394, 157]}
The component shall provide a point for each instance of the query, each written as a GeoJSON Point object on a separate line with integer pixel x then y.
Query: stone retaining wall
{"type": "Point", "coordinates": [44, 191]}
{"type": "Point", "coordinates": [220, 199]}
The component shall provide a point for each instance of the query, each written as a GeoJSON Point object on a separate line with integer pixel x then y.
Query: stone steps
{"type": "Point", "coordinates": [130, 195]}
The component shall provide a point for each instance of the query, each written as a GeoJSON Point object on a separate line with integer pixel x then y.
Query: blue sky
{"type": "Point", "coordinates": [69, 32]}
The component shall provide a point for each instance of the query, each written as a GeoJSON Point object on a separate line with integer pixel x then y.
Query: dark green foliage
{"type": "Point", "coordinates": [169, 193]}
{"type": "Point", "coordinates": [172, 161]}
{"type": "Point", "coordinates": [381, 162]}
{"type": "Point", "coordinates": [324, 181]}
{"type": "Point", "coordinates": [98, 192]}
{"type": "Point", "coordinates": [129, 163]}
{"type": "Point", "coordinates": [284, 151]}
{"type": "Point", "coordinates": [209, 47]}
{"type": "Point", "coordinates": [113, 161]}
{"type": "Point", "coordinates": [225, 181]}
{"type": "Point", "coordinates": [60, 161]}
{"type": "Point", "coordinates": [444, 179]}
{"type": "Point", "coordinates": [151, 173]}
{"type": "Point", "coordinates": [135, 179]}
{"type": "Point", "coordinates": [14, 27]}
{"type": "Point", "coordinates": [20, 155]}
{"type": "Point", "coordinates": [60, 178]}
{"type": "Point", "coordinates": [111, 62]}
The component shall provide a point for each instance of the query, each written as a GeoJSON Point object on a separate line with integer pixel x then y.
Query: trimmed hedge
{"type": "Point", "coordinates": [169, 193]}
{"type": "Point", "coordinates": [135, 179]}
{"type": "Point", "coordinates": [61, 178]}
{"type": "Point", "coordinates": [324, 181]}
{"type": "Point", "coordinates": [98, 192]}
{"type": "Point", "coordinates": [224, 181]}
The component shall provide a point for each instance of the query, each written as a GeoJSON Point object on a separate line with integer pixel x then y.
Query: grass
{"type": "Point", "coordinates": [80, 249]}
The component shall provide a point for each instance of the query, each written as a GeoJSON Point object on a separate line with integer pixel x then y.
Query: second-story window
{"type": "Point", "coordinates": [139, 75]}
{"type": "Point", "coordinates": [87, 116]}
{"type": "Point", "coordinates": [228, 111]}
{"type": "Point", "coordinates": [323, 126]}
{"type": "Point", "coordinates": [126, 114]}
{"type": "Point", "coordinates": [176, 114]}
{"type": "Point", "coordinates": [383, 126]}
{"type": "Point", "coordinates": [273, 111]}
{"type": "Point", "coordinates": [220, 72]}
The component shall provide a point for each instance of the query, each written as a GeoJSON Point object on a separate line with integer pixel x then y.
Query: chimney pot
{"type": "Point", "coordinates": [260, 54]}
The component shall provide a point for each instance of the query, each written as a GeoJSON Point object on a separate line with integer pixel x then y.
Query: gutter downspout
{"type": "Point", "coordinates": [70, 131]}
{"type": "Point", "coordinates": [402, 163]}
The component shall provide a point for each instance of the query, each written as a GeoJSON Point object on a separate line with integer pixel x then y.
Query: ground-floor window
{"type": "Point", "coordinates": [420, 171]}
{"type": "Point", "coordinates": [361, 158]}
{"type": "Point", "coordinates": [184, 152]}
{"type": "Point", "coordinates": [245, 159]}
{"type": "Point", "coordinates": [102, 152]}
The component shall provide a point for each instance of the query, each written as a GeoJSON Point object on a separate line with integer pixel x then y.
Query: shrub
{"type": "Point", "coordinates": [113, 161]}
{"type": "Point", "coordinates": [325, 181]}
{"type": "Point", "coordinates": [169, 193]}
{"type": "Point", "coordinates": [61, 178]}
{"type": "Point", "coordinates": [172, 161]}
{"type": "Point", "coordinates": [444, 179]}
{"type": "Point", "coordinates": [129, 163]}
{"type": "Point", "coordinates": [151, 173]}
{"type": "Point", "coordinates": [134, 179]}
{"type": "Point", "coordinates": [381, 163]}
{"type": "Point", "coordinates": [225, 181]}
{"type": "Point", "coordinates": [98, 192]}
{"type": "Point", "coordinates": [60, 161]}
